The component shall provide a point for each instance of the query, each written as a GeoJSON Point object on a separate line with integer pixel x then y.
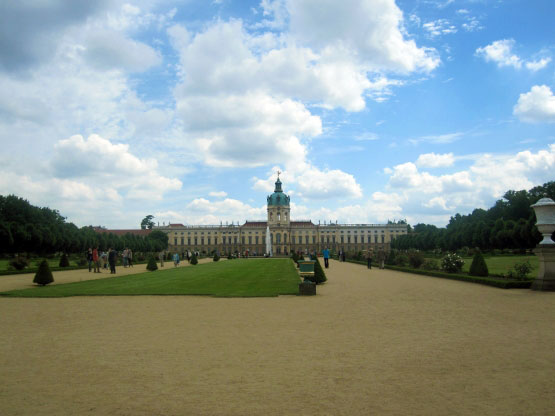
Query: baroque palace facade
{"type": "Point", "coordinates": [286, 235]}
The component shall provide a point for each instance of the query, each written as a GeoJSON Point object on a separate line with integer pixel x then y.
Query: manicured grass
{"type": "Point", "coordinates": [241, 278]}
{"type": "Point", "coordinates": [500, 265]}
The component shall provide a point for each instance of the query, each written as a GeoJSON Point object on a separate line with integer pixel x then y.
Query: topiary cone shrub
{"type": "Point", "coordinates": [319, 275]}
{"type": "Point", "coordinates": [194, 259]}
{"type": "Point", "coordinates": [478, 266]}
{"type": "Point", "coordinates": [64, 261]}
{"type": "Point", "coordinates": [216, 257]}
{"type": "Point", "coordinates": [152, 264]}
{"type": "Point", "coordinates": [44, 275]}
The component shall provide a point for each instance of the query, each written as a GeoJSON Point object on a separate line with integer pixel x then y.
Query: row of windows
{"type": "Point", "coordinates": [278, 240]}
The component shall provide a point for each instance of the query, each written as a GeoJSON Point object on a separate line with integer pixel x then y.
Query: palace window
{"type": "Point", "coordinates": [189, 240]}
{"type": "Point", "coordinates": [175, 241]}
{"type": "Point", "coordinates": [256, 238]}
{"type": "Point", "coordinates": [202, 241]}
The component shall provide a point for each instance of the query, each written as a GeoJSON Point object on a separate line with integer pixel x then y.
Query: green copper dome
{"type": "Point", "coordinates": [278, 198]}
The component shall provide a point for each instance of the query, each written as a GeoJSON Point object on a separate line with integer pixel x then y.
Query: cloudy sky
{"type": "Point", "coordinates": [373, 109]}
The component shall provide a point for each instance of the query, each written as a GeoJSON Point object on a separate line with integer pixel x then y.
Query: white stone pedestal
{"type": "Point", "coordinates": [546, 275]}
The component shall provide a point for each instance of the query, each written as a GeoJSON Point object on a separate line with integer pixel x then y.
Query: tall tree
{"type": "Point", "coordinates": [147, 222]}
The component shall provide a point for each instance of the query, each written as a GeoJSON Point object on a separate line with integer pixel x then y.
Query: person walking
{"type": "Point", "coordinates": [105, 260]}
{"type": "Point", "coordinates": [112, 255]}
{"type": "Point", "coordinates": [96, 260]}
{"type": "Point", "coordinates": [124, 255]}
{"type": "Point", "coordinates": [369, 259]}
{"type": "Point", "coordinates": [343, 256]}
{"type": "Point", "coordinates": [90, 258]}
{"type": "Point", "coordinates": [175, 259]}
{"type": "Point", "coordinates": [130, 257]}
{"type": "Point", "coordinates": [381, 259]}
{"type": "Point", "coordinates": [161, 258]}
{"type": "Point", "coordinates": [326, 254]}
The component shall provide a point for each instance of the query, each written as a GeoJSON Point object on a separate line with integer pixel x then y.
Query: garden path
{"type": "Point", "coordinates": [372, 342]}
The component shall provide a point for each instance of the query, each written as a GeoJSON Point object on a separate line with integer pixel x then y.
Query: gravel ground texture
{"type": "Point", "coordinates": [372, 342]}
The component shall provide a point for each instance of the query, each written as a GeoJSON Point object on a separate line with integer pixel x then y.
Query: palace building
{"type": "Point", "coordinates": [286, 235]}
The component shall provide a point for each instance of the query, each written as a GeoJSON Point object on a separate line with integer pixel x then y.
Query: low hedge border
{"type": "Point", "coordinates": [500, 283]}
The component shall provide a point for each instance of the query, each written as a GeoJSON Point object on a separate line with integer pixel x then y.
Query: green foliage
{"type": "Point", "coordinates": [43, 275]}
{"type": "Point", "coordinates": [401, 259]}
{"type": "Point", "coordinates": [508, 224]}
{"type": "Point", "coordinates": [430, 264]}
{"type": "Point", "coordinates": [152, 264]}
{"type": "Point", "coordinates": [489, 281]}
{"type": "Point", "coordinates": [478, 266]}
{"type": "Point", "coordinates": [391, 257]}
{"type": "Point", "coordinates": [147, 222]}
{"type": "Point", "coordinates": [216, 257]}
{"type": "Point", "coordinates": [194, 259]}
{"type": "Point", "coordinates": [19, 263]}
{"type": "Point", "coordinates": [416, 258]}
{"type": "Point", "coordinates": [520, 270]}
{"type": "Point", "coordinates": [319, 274]}
{"type": "Point", "coordinates": [64, 261]}
{"type": "Point", "coordinates": [452, 263]}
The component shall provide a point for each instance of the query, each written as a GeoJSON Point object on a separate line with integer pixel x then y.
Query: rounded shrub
{"type": "Point", "coordinates": [216, 257]}
{"type": "Point", "coordinates": [152, 264]}
{"type": "Point", "coordinates": [478, 266]}
{"type": "Point", "coordinates": [19, 263]}
{"type": "Point", "coordinates": [194, 259]}
{"type": "Point", "coordinates": [416, 258]}
{"type": "Point", "coordinates": [319, 274]}
{"type": "Point", "coordinates": [64, 261]}
{"type": "Point", "coordinates": [430, 264]}
{"type": "Point", "coordinates": [43, 275]}
{"type": "Point", "coordinates": [452, 263]}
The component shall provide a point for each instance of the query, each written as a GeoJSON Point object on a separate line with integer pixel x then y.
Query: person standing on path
{"type": "Point", "coordinates": [369, 259]}
{"type": "Point", "coordinates": [381, 259]}
{"type": "Point", "coordinates": [343, 256]}
{"type": "Point", "coordinates": [130, 257]}
{"type": "Point", "coordinates": [96, 260]}
{"type": "Point", "coordinates": [112, 260]}
{"type": "Point", "coordinates": [175, 259]}
{"type": "Point", "coordinates": [161, 258]}
{"type": "Point", "coordinates": [90, 258]}
{"type": "Point", "coordinates": [326, 254]}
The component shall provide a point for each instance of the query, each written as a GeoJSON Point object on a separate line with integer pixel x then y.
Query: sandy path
{"type": "Point", "coordinates": [371, 343]}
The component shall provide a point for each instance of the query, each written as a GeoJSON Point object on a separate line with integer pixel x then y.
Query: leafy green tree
{"type": "Point", "coordinates": [147, 222]}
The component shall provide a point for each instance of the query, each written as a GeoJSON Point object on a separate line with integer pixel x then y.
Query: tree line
{"type": "Point", "coordinates": [508, 224]}
{"type": "Point", "coordinates": [25, 228]}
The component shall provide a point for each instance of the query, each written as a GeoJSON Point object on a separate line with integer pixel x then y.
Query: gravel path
{"type": "Point", "coordinates": [372, 342]}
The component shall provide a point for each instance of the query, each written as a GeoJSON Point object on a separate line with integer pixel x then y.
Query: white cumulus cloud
{"type": "Point", "coordinates": [433, 160]}
{"type": "Point", "coordinates": [536, 106]}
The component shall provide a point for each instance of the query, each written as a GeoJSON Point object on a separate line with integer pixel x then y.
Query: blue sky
{"type": "Point", "coordinates": [372, 109]}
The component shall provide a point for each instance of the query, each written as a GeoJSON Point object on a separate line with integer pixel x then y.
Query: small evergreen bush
{"type": "Point", "coordinates": [64, 261]}
{"type": "Point", "coordinates": [152, 264]}
{"type": "Point", "coordinates": [430, 264]}
{"type": "Point", "coordinates": [478, 266]}
{"type": "Point", "coordinates": [452, 263]}
{"type": "Point", "coordinates": [401, 259]}
{"type": "Point", "coordinates": [390, 260]}
{"type": "Point", "coordinates": [416, 258]}
{"type": "Point", "coordinates": [520, 270]}
{"type": "Point", "coordinates": [43, 275]}
{"type": "Point", "coordinates": [319, 274]}
{"type": "Point", "coordinates": [216, 257]}
{"type": "Point", "coordinates": [194, 259]}
{"type": "Point", "coordinates": [82, 262]}
{"type": "Point", "coordinates": [19, 263]}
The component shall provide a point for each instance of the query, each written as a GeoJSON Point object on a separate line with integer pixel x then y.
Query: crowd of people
{"type": "Point", "coordinates": [102, 259]}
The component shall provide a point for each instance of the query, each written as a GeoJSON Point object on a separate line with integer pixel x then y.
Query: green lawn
{"type": "Point", "coordinates": [241, 277]}
{"type": "Point", "coordinates": [498, 265]}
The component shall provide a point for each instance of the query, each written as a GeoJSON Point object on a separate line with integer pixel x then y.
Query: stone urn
{"type": "Point", "coordinates": [545, 216]}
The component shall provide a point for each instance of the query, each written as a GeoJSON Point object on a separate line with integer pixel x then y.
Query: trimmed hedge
{"type": "Point", "coordinates": [501, 283]}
